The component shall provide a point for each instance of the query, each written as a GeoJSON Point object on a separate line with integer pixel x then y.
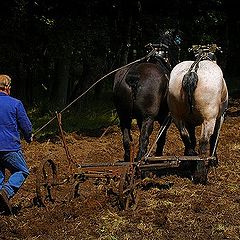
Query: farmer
{"type": "Point", "coordinates": [13, 118]}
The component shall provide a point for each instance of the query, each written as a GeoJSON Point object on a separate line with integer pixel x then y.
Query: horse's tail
{"type": "Point", "coordinates": [189, 85]}
{"type": "Point", "coordinates": [132, 79]}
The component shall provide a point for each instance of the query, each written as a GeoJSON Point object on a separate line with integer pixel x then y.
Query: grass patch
{"type": "Point", "coordinates": [94, 115]}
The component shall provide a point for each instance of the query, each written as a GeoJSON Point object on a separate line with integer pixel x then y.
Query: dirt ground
{"type": "Point", "coordinates": [182, 210]}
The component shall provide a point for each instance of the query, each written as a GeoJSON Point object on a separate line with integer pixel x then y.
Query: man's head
{"type": "Point", "coordinates": [5, 83]}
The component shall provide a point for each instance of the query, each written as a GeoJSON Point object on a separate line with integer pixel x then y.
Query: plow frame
{"type": "Point", "coordinates": [127, 176]}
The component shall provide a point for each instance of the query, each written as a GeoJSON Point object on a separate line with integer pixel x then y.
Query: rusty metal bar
{"type": "Point", "coordinates": [96, 175]}
{"type": "Point", "coordinates": [103, 164]}
{"type": "Point", "coordinates": [178, 158]}
{"type": "Point", "coordinates": [69, 158]}
{"type": "Point", "coordinates": [149, 159]}
{"type": "Point", "coordinates": [157, 166]}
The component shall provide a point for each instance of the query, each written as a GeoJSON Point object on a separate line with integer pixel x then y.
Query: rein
{"type": "Point", "coordinates": [152, 52]}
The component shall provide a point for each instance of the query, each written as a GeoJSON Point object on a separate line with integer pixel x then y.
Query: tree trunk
{"type": "Point", "coordinates": [62, 68]}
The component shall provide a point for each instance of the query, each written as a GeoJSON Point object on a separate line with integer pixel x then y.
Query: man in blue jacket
{"type": "Point", "coordinates": [13, 119]}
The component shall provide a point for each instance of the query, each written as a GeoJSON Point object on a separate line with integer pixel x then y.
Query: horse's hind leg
{"type": "Point", "coordinates": [214, 140]}
{"type": "Point", "coordinates": [195, 169]}
{"type": "Point", "coordinates": [127, 138]}
{"type": "Point", "coordinates": [207, 132]}
{"type": "Point", "coordinates": [188, 137]}
{"type": "Point", "coordinates": [146, 130]}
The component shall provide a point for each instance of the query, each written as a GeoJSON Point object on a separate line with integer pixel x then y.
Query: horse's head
{"type": "Point", "coordinates": [173, 39]}
{"type": "Point", "coordinates": [159, 54]}
{"type": "Point", "coordinates": [167, 46]}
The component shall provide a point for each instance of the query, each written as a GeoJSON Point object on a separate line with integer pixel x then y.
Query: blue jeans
{"type": "Point", "coordinates": [16, 164]}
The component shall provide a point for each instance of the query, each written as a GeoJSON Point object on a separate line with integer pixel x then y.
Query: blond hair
{"type": "Point", "coordinates": [5, 81]}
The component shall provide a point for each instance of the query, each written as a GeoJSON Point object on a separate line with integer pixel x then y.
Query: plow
{"type": "Point", "coordinates": [121, 179]}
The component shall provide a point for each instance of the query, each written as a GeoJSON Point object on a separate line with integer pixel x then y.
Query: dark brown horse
{"type": "Point", "coordinates": [140, 92]}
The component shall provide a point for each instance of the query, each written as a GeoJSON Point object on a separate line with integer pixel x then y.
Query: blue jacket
{"type": "Point", "coordinates": [13, 118]}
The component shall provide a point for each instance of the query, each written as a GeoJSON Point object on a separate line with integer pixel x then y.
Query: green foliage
{"type": "Point", "coordinates": [66, 46]}
{"type": "Point", "coordinates": [90, 120]}
{"type": "Point", "coordinates": [86, 117]}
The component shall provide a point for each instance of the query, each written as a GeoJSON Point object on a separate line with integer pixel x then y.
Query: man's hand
{"type": "Point", "coordinates": [30, 139]}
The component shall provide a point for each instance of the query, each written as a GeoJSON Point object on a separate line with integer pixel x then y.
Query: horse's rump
{"type": "Point", "coordinates": [208, 93]}
{"type": "Point", "coordinates": [143, 85]}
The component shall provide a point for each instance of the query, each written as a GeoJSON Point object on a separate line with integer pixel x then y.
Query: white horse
{"type": "Point", "coordinates": [198, 95]}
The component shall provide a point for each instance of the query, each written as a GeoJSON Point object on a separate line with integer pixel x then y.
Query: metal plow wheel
{"type": "Point", "coordinates": [128, 189]}
{"type": "Point", "coordinates": [117, 179]}
{"type": "Point", "coordinates": [46, 180]}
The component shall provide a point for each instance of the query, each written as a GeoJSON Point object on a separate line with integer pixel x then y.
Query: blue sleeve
{"type": "Point", "coordinates": [23, 121]}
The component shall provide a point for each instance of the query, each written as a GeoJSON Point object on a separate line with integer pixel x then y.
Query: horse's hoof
{"type": "Point", "coordinates": [200, 173]}
{"type": "Point", "coordinates": [190, 152]}
{"type": "Point", "coordinates": [213, 162]}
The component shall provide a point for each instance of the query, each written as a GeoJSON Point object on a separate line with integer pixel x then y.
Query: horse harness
{"type": "Point", "coordinates": [159, 56]}
{"type": "Point", "coordinates": [203, 52]}
{"type": "Point", "coordinates": [190, 79]}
